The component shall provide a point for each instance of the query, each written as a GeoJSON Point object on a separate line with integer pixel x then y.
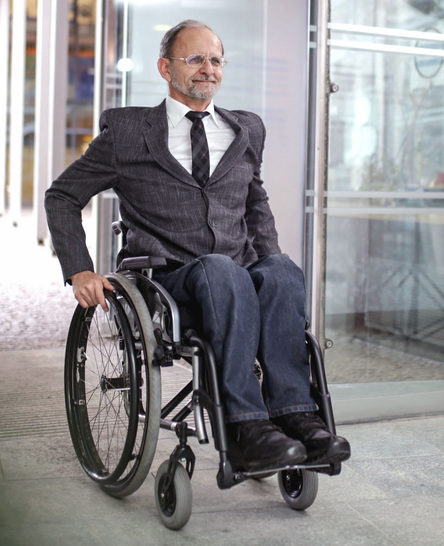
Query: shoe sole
{"type": "Point", "coordinates": [337, 452]}
{"type": "Point", "coordinates": [241, 465]}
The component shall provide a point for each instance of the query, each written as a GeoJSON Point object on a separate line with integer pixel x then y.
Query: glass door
{"type": "Point", "coordinates": [266, 44]}
{"type": "Point", "coordinates": [384, 207]}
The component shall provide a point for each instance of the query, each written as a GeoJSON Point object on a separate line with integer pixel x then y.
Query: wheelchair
{"type": "Point", "coordinates": [113, 368]}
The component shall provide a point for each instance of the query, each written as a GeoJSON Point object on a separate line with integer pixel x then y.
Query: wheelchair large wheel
{"type": "Point", "coordinates": [174, 503]}
{"type": "Point", "coordinates": [298, 487]}
{"type": "Point", "coordinates": [112, 389]}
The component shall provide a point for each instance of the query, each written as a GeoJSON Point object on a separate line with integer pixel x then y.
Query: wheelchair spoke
{"type": "Point", "coordinates": [108, 390]}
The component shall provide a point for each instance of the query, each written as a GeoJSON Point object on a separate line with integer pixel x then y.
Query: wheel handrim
{"type": "Point", "coordinates": [104, 403]}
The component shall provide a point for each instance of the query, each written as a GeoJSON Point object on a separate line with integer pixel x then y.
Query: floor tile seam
{"type": "Point", "coordinates": [52, 408]}
{"type": "Point", "coordinates": [22, 414]}
{"type": "Point", "coordinates": [441, 450]}
{"type": "Point", "coordinates": [40, 414]}
{"type": "Point", "coordinates": [30, 435]}
{"type": "Point", "coordinates": [395, 421]}
{"type": "Point", "coordinates": [50, 429]}
{"type": "Point", "coordinates": [363, 517]}
{"type": "Point", "coordinates": [29, 424]}
{"type": "Point", "coordinates": [226, 508]}
{"type": "Point", "coordinates": [60, 433]}
{"type": "Point", "coordinates": [437, 453]}
{"type": "Point", "coordinates": [395, 499]}
{"type": "Point", "coordinates": [50, 478]}
{"type": "Point", "coordinates": [18, 394]}
{"type": "Point", "coordinates": [365, 479]}
{"type": "Point", "coordinates": [24, 353]}
{"type": "Point", "coordinates": [16, 405]}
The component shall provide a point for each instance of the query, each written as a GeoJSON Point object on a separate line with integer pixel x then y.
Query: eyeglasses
{"type": "Point", "coordinates": [196, 60]}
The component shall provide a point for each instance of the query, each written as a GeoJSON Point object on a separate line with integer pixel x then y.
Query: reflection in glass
{"type": "Point", "coordinates": [385, 226]}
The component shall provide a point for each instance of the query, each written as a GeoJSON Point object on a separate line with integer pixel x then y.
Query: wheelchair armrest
{"type": "Point", "coordinates": [142, 262]}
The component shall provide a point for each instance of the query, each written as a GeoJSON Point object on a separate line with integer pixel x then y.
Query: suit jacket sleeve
{"type": "Point", "coordinates": [260, 220]}
{"type": "Point", "coordinates": [91, 174]}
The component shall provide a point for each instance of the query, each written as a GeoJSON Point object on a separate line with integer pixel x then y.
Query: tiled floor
{"type": "Point", "coordinates": [390, 492]}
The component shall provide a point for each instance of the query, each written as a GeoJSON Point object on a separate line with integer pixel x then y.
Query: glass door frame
{"type": "Point", "coordinates": [351, 404]}
{"type": "Point", "coordinates": [317, 166]}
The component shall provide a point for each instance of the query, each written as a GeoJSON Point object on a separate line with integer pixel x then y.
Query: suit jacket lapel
{"type": "Point", "coordinates": [236, 149]}
{"type": "Point", "coordinates": [156, 136]}
{"type": "Point", "coordinates": [155, 133]}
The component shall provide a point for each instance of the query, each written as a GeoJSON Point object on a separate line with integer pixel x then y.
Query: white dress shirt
{"type": "Point", "coordinates": [219, 134]}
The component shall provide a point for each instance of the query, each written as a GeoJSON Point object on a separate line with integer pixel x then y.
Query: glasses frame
{"type": "Point", "coordinates": [223, 60]}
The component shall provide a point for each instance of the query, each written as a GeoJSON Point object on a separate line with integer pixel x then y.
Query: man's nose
{"type": "Point", "coordinates": [207, 67]}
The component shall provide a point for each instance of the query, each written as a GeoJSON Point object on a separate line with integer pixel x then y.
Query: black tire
{"type": "Point", "coordinates": [298, 487]}
{"type": "Point", "coordinates": [112, 390]}
{"type": "Point", "coordinates": [174, 505]}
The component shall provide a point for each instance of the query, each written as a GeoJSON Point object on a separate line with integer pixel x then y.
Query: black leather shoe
{"type": "Point", "coordinates": [310, 429]}
{"type": "Point", "coordinates": [259, 444]}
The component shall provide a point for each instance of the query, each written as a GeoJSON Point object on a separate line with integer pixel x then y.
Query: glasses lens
{"type": "Point", "coordinates": [217, 62]}
{"type": "Point", "coordinates": [196, 61]}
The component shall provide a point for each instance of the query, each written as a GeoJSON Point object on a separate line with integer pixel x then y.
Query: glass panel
{"type": "Point", "coordinates": [114, 34]}
{"type": "Point", "coordinates": [81, 86]}
{"type": "Point", "coordinates": [385, 215]}
{"type": "Point", "coordinates": [243, 85]}
{"type": "Point", "coordinates": [385, 298]}
{"type": "Point", "coordinates": [402, 14]}
{"type": "Point", "coordinates": [266, 47]}
{"type": "Point", "coordinates": [80, 121]}
{"type": "Point", "coordinates": [29, 98]}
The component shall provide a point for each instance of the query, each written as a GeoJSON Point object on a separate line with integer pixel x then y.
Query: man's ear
{"type": "Point", "coordinates": [163, 66]}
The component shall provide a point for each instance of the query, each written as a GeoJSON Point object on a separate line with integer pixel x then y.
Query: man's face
{"type": "Point", "coordinates": [190, 83]}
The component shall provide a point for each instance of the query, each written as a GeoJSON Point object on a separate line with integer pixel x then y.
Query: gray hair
{"type": "Point", "coordinates": [167, 43]}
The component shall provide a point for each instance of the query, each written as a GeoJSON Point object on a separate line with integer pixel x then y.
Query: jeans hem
{"type": "Point", "coordinates": [246, 417]}
{"type": "Point", "coordinates": [293, 409]}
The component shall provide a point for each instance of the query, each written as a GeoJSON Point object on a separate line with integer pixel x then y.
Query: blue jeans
{"type": "Point", "coordinates": [248, 312]}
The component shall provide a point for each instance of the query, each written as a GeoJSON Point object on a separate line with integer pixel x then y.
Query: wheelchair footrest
{"type": "Point", "coordinates": [225, 479]}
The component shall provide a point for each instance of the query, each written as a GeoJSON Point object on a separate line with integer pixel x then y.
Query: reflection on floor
{"type": "Point", "coordinates": [358, 359]}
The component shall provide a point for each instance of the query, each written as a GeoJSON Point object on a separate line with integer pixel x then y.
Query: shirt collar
{"type": "Point", "coordinates": [176, 111]}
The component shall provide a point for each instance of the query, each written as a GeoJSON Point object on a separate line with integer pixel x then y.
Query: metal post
{"type": "Point", "coordinates": [4, 79]}
{"type": "Point", "coordinates": [59, 83]}
{"type": "Point", "coordinates": [99, 52]}
{"type": "Point", "coordinates": [105, 206]}
{"type": "Point", "coordinates": [18, 50]}
{"type": "Point", "coordinates": [319, 167]}
{"type": "Point", "coordinates": [42, 108]}
{"type": "Point", "coordinates": [50, 102]}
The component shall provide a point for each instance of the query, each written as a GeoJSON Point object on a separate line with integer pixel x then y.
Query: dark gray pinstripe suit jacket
{"type": "Point", "coordinates": [167, 213]}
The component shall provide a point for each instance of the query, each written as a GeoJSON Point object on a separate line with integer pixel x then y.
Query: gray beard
{"type": "Point", "coordinates": [192, 90]}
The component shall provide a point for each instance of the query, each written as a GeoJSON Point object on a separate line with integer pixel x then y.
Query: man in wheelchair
{"type": "Point", "coordinates": [187, 174]}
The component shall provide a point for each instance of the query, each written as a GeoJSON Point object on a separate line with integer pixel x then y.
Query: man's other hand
{"type": "Point", "coordinates": [88, 289]}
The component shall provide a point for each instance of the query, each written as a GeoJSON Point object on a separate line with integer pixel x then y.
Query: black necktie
{"type": "Point", "coordinates": [199, 148]}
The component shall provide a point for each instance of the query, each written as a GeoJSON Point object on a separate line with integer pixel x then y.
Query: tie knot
{"type": "Point", "coordinates": [192, 115]}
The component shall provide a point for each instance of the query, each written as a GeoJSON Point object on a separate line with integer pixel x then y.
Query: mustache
{"type": "Point", "coordinates": [204, 79]}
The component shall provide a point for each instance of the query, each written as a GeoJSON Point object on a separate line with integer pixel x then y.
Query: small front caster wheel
{"type": "Point", "coordinates": [298, 487]}
{"type": "Point", "coordinates": [175, 502]}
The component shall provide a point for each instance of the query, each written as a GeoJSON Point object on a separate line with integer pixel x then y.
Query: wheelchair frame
{"type": "Point", "coordinates": [113, 365]}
